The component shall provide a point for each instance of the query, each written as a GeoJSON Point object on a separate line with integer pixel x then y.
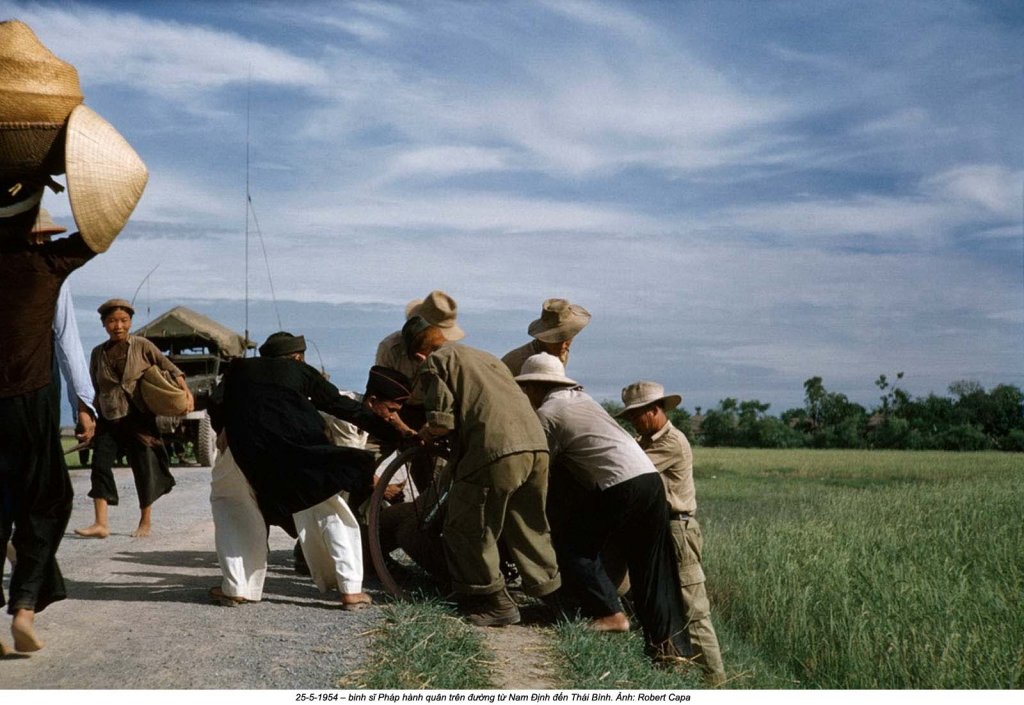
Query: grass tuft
{"type": "Point", "coordinates": [423, 645]}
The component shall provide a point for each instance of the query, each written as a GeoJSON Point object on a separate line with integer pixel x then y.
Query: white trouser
{"type": "Point", "coordinates": [329, 534]}
{"type": "Point", "coordinates": [239, 531]}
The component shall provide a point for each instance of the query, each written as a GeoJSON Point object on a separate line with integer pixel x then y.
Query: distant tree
{"type": "Point", "coordinates": [720, 426]}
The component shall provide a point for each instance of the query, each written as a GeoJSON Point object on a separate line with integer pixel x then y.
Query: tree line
{"type": "Point", "coordinates": [970, 418]}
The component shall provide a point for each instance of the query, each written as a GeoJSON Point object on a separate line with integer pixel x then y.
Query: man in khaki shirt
{"type": "Point", "coordinates": [646, 407]}
{"type": "Point", "coordinates": [552, 333]}
{"type": "Point", "coordinates": [499, 471]}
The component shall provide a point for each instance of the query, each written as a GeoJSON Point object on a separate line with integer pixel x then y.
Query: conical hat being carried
{"type": "Point", "coordinates": [105, 177]}
{"type": "Point", "coordinates": [45, 129]}
{"type": "Point", "coordinates": [37, 93]}
{"type": "Point", "coordinates": [162, 396]}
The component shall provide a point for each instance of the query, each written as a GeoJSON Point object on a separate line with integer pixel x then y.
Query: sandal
{"type": "Point", "coordinates": [217, 595]}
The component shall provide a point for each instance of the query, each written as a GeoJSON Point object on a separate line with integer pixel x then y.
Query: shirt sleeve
{"type": "Point", "coordinates": [326, 398]}
{"type": "Point", "coordinates": [70, 356]}
{"type": "Point", "coordinates": [153, 355]}
{"type": "Point", "coordinates": [438, 399]}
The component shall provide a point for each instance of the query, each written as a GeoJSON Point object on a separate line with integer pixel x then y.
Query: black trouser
{"type": "Point", "coordinates": [150, 466]}
{"type": "Point", "coordinates": [635, 512]}
{"type": "Point", "coordinates": [35, 497]}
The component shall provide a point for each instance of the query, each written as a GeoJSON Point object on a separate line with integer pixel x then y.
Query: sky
{"type": "Point", "coordinates": [743, 194]}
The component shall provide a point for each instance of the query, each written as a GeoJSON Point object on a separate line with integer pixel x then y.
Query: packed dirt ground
{"type": "Point", "coordinates": [138, 615]}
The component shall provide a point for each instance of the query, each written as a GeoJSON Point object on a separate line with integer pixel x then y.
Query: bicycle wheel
{"type": "Point", "coordinates": [395, 569]}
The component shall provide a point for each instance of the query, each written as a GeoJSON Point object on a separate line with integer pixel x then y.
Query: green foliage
{"type": "Point", "coordinates": [975, 420]}
{"type": "Point", "coordinates": [853, 569]}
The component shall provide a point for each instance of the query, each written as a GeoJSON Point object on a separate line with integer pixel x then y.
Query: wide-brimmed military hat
{"type": "Point", "coordinates": [45, 129]}
{"type": "Point", "coordinates": [546, 369]}
{"type": "Point", "coordinates": [640, 394]}
{"type": "Point", "coordinates": [439, 310]}
{"type": "Point", "coordinates": [559, 321]}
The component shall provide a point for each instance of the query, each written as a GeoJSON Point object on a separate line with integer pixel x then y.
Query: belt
{"type": "Point", "coordinates": [680, 515]}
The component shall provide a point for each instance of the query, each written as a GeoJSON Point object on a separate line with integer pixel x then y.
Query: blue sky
{"type": "Point", "coordinates": [743, 194]}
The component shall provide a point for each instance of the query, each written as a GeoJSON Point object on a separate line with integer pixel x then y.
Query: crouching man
{"type": "Point", "coordinates": [619, 494]}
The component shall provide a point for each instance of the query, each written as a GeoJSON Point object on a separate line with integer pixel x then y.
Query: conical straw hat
{"type": "Point", "coordinates": [37, 93]}
{"type": "Point", "coordinates": [45, 225]}
{"type": "Point", "coordinates": [105, 177]}
{"type": "Point", "coordinates": [162, 396]}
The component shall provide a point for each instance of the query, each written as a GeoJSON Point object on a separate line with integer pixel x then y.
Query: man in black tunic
{"type": "Point", "coordinates": [269, 409]}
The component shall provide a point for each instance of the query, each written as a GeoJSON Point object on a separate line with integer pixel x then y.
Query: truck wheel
{"type": "Point", "coordinates": [206, 443]}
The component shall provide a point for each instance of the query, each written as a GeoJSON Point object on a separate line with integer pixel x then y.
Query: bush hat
{"type": "Point", "coordinates": [45, 129]}
{"type": "Point", "coordinates": [559, 321]}
{"type": "Point", "coordinates": [282, 343]}
{"type": "Point", "coordinates": [111, 304]}
{"type": "Point", "coordinates": [45, 225]}
{"type": "Point", "coordinates": [438, 309]}
{"type": "Point", "coordinates": [642, 393]}
{"type": "Point", "coordinates": [160, 394]}
{"type": "Point", "coordinates": [546, 369]}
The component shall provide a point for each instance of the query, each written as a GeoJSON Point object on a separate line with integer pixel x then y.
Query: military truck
{"type": "Point", "coordinates": [200, 347]}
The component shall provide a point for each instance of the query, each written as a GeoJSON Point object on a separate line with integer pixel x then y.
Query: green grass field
{"type": "Point", "coordinates": [826, 569]}
{"type": "Point", "coordinates": [866, 569]}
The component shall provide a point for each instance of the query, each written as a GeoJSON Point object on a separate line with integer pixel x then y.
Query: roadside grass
{"type": "Point", "coordinates": [854, 569]}
{"type": "Point", "coordinates": [592, 661]}
{"type": "Point", "coordinates": [423, 645]}
{"type": "Point", "coordinates": [826, 570]}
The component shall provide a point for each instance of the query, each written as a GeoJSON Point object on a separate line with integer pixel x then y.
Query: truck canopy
{"type": "Point", "coordinates": [182, 328]}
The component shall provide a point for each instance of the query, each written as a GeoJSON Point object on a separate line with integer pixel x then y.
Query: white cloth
{"type": "Point", "coordinates": [329, 534]}
{"type": "Point", "coordinates": [240, 533]}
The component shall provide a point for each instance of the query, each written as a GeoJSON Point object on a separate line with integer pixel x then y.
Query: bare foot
{"type": "Point", "coordinates": [96, 531]}
{"type": "Point", "coordinates": [355, 600]}
{"type": "Point", "coordinates": [617, 622]}
{"type": "Point", "coordinates": [5, 650]}
{"type": "Point", "coordinates": [142, 531]}
{"type": "Point", "coordinates": [24, 633]}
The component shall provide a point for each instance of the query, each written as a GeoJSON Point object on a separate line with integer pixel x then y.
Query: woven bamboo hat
{"type": "Point", "coordinates": [45, 225]}
{"type": "Point", "coordinates": [45, 129]}
{"type": "Point", "coordinates": [37, 93]}
{"type": "Point", "coordinates": [162, 396]}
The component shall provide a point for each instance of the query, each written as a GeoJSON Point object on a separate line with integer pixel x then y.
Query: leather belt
{"type": "Point", "coordinates": [680, 515]}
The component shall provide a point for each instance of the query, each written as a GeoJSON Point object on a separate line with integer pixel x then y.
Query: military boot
{"type": "Point", "coordinates": [494, 610]}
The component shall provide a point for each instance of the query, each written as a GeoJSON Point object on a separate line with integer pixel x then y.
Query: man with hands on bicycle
{"type": "Point", "coordinates": [499, 472]}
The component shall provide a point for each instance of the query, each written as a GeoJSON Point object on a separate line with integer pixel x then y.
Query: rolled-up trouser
{"type": "Point", "coordinates": [35, 497]}
{"type": "Point", "coordinates": [689, 543]}
{"type": "Point", "coordinates": [150, 465]}
{"type": "Point", "coordinates": [240, 533]}
{"type": "Point", "coordinates": [504, 499]}
{"type": "Point", "coordinates": [332, 545]}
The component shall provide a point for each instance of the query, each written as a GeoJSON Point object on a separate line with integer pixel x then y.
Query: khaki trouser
{"type": "Point", "coordinates": [504, 499]}
{"type": "Point", "coordinates": [689, 543]}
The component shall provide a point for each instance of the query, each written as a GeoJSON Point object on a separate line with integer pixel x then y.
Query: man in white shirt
{"type": "Point", "coordinates": [618, 492]}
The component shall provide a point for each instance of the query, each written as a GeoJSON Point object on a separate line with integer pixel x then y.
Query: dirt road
{"type": "Point", "coordinates": [138, 615]}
